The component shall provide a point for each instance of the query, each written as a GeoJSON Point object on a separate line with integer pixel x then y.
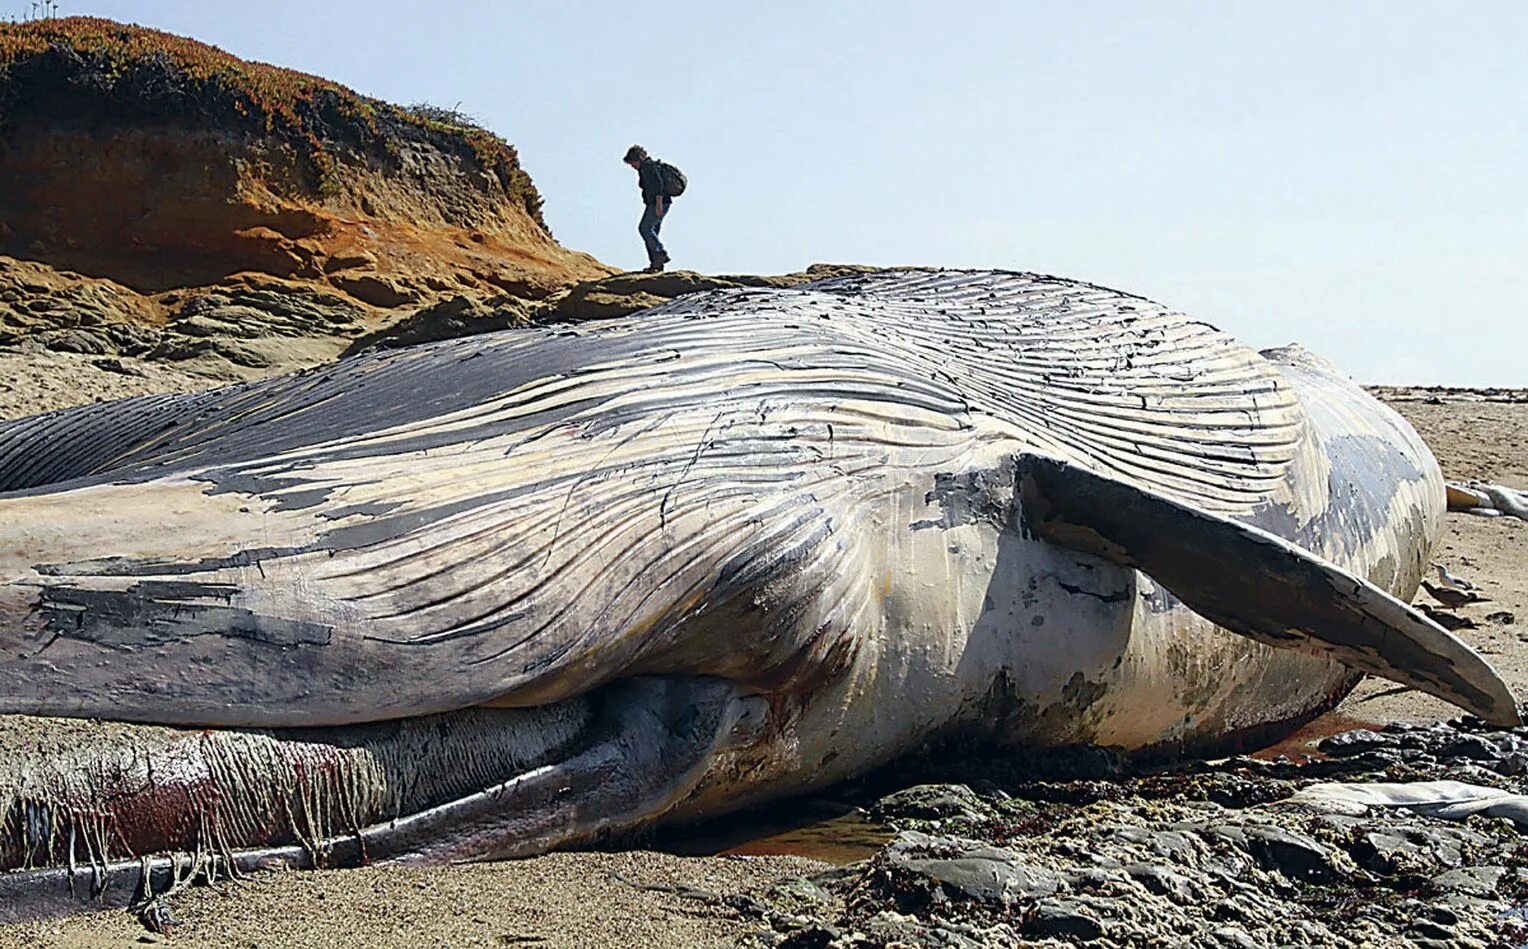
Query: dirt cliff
{"type": "Point", "coordinates": [159, 197]}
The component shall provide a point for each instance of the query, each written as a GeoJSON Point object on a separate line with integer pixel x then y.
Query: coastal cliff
{"type": "Point", "coordinates": [172, 216]}
{"type": "Point", "coordinates": [161, 198]}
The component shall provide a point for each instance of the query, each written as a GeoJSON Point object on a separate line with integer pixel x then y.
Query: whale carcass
{"type": "Point", "coordinates": [495, 595]}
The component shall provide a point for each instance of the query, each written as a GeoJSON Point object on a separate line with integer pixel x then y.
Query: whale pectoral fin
{"type": "Point", "coordinates": [1257, 584]}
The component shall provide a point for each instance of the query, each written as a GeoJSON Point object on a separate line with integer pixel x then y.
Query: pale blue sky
{"type": "Point", "coordinates": [1351, 176]}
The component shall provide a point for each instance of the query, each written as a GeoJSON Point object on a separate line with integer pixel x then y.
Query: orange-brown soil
{"type": "Point", "coordinates": [148, 167]}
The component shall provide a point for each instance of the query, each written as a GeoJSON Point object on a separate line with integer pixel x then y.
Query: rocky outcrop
{"type": "Point", "coordinates": [618, 295]}
{"type": "Point", "coordinates": [251, 324]}
{"type": "Point", "coordinates": [155, 192]}
{"type": "Point", "coordinates": [242, 327]}
{"type": "Point", "coordinates": [1213, 854]}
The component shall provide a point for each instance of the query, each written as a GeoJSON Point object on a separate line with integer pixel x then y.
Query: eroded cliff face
{"type": "Point", "coordinates": [158, 196]}
{"type": "Point", "coordinates": [159, 208]}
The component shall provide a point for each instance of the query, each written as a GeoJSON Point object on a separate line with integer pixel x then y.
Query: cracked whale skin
{"type": "Point", "coordinates": [489, 596]}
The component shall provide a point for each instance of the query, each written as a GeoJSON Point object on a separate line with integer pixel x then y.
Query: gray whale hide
{"type": "Point", "coordinates": [494, 595]}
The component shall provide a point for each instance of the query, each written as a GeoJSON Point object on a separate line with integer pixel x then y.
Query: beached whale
{"type": "Point", "coordinates": [495, 595]}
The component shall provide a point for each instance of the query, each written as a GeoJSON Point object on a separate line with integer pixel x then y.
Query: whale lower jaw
{"type": "Point", "coordinates": [228, 801]}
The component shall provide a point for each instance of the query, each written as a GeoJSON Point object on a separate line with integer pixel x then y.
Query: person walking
{"type": "Point", "coordinates": [661, 183]}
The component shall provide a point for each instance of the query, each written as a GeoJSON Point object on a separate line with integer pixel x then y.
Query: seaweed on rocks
{"type": "Point", "coordinates": [1208, 853]}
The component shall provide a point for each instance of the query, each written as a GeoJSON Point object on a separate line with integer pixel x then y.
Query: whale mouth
{"type": "Point", "coordinates": [104, 812]}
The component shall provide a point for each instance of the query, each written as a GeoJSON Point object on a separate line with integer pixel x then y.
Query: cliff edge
{"type": "Point", "coordinates": [172, 217]}
{"type": "Point", "coordinates": [160, 197]}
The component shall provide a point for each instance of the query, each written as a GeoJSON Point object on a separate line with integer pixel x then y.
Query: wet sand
{"type": "Point", "coordinates": [587, 899]}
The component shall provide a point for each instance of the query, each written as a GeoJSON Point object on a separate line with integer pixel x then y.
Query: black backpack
{"type": "Point", "coordinates": [671, 178]}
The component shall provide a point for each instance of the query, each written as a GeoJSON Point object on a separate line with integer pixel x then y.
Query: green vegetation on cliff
{"type": "Point", "coordinates": [95, 69]}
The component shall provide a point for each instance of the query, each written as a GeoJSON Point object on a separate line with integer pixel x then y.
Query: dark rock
{"type": "Point", "coordinates": [1422, 929]}
{"type": "Point", "coordinates": [1314, 933]}
{"type": "Point", "coordinates": [1163, 859]}
{"type": "Point", "coordinates": [1478, 747]}
{"type": "Point", "coordinates": [131, 339]}
{"type": "Point", "coordinates": [85, 342]}
{"type": "Point", "coordinates": [1292, 854]}
{"type": "Point", "coordinates": [1175, 845]}
{"type": "Point", "coordinates": [1097, 879]}
{"type": "Point", "coordinates": [1471, 881]}
{"type": "Point", "coordinates": [811, 937]}
{"type": "Point", "coordinates": [449, 319]}
{"type": "Point", "coordinates": [1163, 881]}
{"type": "Point", "coordinates": [1077, 763]}
{"type": "Point", "coordinates": [968, 870]}
{"type": "Point", "coordinates": [675, 283]}
{"type": "Point", "coordinates": [1388, 853]}
{"type": "Point", "coordinates": [1447, 845]}
{"type": "Point", "coordinates": [1231, 936]}
{"type": "Point", "coordinates": [1512, 764]}
{"type": "Point", "coordinates": [176, 348]}
{"type": "Point", "coordinates": [112, 364]}
{"type": "Point", "coordinates": [624, 294]}
{"type": "Point", "coordinates": [895, 929]}
{"type": "Point", "coordinates": [930, 802]}
{"type": "Point", "coordinates": [798, 892]}
{"type": "Point", "coordinates": [1061, 917]}
{"type": "Point", "coordinates": [587, 304]}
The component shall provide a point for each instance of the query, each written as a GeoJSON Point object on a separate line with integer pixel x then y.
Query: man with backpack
{"type": "Point", "coordinates": [661, 183]}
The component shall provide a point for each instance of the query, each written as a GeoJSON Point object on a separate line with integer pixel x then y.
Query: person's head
{"type": "Point", "coordinates": [635, 156]}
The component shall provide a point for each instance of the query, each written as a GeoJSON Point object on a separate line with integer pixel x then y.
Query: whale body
{"type": "Point", "coordinates": [494, 595]}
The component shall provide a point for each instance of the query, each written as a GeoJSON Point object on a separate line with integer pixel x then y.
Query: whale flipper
{"type": "Point", "coordinates": [1276, 592]}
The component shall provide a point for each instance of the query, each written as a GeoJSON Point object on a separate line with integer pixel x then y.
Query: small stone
{"type": "Point", "coordinates": [1318, 934]}
{"type": "Point", "coordinates": [1428, 930]}
{"type": "Point", "coordinates": [989, 876]}
{"type": "Point", "coordinates": [1163, 882]}
{"type": "Point", "coordinates": [1471, 881]}
{"type": "Point", "coordinates": [1064, 918]}
{"type": "Point", "coordinates": [799, 890]}
{"type": "Point", "coordinates": [112, 364]}
{"type": "Point", "coordinates": [1231, 936]}
{"type": "Point", "coordinates": [931, 802]}
{"type": "Point", "coordinates": [1473, 746]}
{"type": "Point", "coordinates": [1513, 764]}
{"type": "Point", "coordinates": [1174, 846]}
{"type": "Point", "coordinates": [1292, 854]}
{"type": "Point", "coordinates": [1386, 852]}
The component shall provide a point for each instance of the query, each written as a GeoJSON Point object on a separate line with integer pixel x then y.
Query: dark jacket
{"type": "Point", "coordinates": [650, 181]}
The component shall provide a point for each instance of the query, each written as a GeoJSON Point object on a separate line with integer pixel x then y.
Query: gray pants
{"type": "Point", "coordinates": [648, 228]}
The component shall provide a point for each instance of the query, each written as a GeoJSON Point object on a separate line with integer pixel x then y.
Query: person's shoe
{"type": "Point", "coordinates": [654, 267]}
